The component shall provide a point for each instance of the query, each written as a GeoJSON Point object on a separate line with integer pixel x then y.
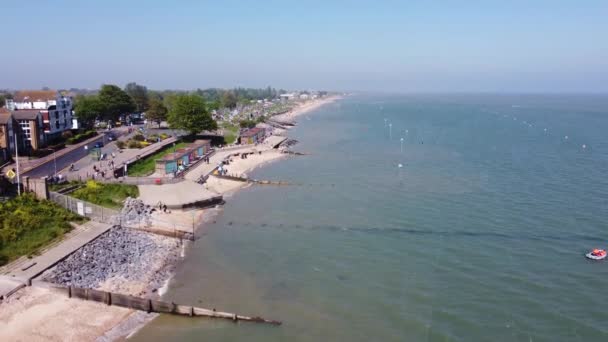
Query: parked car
{"type": "Point", "coordinates": [111, 136]}
{"type": "Point", "coordinates": [98, 144]}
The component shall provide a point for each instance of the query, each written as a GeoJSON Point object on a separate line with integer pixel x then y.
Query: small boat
{"type": "Point", "coordinates": [596, 254]}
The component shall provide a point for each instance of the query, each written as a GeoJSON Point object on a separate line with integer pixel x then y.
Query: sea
{"type": "Point", "coordinates": [459, 217]}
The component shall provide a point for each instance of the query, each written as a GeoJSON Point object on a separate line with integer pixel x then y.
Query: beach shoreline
{"type": "Point", "coordinates": [119, 323]}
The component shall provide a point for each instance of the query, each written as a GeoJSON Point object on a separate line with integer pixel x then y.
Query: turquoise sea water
{"type": "Point", "coordinates": [479, 236]}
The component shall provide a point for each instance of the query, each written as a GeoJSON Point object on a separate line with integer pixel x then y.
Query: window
{"type": "Point", "coordinates": [57, 114]}
{"type": "Point", "coordinates": [57, 124]}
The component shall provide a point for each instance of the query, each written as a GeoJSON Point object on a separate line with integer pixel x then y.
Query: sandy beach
{"type": "Point", "coordinates": [36, 313]}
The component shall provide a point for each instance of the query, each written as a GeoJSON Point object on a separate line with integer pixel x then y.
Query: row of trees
{"type": "Point", "coordinates": [189, 112]}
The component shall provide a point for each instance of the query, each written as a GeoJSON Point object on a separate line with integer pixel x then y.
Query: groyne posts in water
{"type": "Point", "coordinates": [254, 181]}
{"type": "Point", "coordinates": [151, 305]}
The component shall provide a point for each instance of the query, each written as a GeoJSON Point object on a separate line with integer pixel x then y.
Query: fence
{"type": "Point", "coordinates": [84, 208]}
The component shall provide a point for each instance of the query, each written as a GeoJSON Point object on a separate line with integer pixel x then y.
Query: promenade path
{"type": "Point", "coordinates": [84, 167]}
{"type": "Point", "coordinates": [220, 155]}
{"type": "Point", "coordinates": [175, 195]}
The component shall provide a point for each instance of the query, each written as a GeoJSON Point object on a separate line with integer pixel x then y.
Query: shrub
{"type": "Point", "coordinates": [133, 144]}
{"type": "Point", "coordinates": [81, 137]}
{"type": "Point", "coordinates": [121, 144]}
{"type": "Point", "coordinates": [164, 136]}
{"type": "Point", "coordinates": [145, 143]}
{"type": "Point", "coordinates": [139, 137]}
{"type": "Point", "coordinates": [26, 224]}
{"type": "Point", "coordinates": [67, 134]}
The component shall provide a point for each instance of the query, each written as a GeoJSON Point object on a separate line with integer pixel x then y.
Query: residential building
{"type": "Point", "coordinates": [26, 125]}
{"type": "Point", "coordinates": [7, 140]}
{"type": "Point", "coordinates": [55, 108]}
{"type": "Point", "coordinates": [30, 129]}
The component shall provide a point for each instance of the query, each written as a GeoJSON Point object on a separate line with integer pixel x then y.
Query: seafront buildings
{"type": "Point", "coordinates": [33, 119]}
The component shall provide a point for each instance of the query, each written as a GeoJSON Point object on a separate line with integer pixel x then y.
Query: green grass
{"type": "Point", "coordinates": [57, 187]}
{"type": "Point", "coordinates": [28, 224]}
{"type": "Point", "coordinates": [230, 132]}
{"type": "Point", "coordinates": [107, 195]}
{"type": "Point", "coordinates": [145, 166]}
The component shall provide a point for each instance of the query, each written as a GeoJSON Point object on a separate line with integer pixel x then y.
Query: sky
{"type": "Point", "coordinates": [385, 46]}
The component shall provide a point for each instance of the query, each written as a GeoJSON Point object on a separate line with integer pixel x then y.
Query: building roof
{"type": "Point", "coordinates": [252, 131]}
{"type": "Point", "coordinates": [35, 95]}
{"type": "Point", "coordinates": [27, 114]}
{"type": "Point", "coordinates": [4, 117]}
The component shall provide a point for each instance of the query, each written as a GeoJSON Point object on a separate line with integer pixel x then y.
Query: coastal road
{"type": "Point", "coordinates": [64, 161]}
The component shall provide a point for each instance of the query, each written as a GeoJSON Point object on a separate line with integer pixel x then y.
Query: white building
{"type": "Point", "coordinates": [56, 109]}
{"type": "Point", "coordinates": [287, 96]}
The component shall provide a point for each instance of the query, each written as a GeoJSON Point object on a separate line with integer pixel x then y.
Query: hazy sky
{"type": "Point", "coordinates": [459, 45]}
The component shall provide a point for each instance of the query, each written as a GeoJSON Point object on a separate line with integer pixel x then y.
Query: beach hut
{"type": "Point", "coordinates": [168, 164]}
{"type": "Point", "coordinates": [253, 135]}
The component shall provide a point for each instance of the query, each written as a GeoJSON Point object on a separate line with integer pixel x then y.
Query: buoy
{"type": "Point", "coordinates": [584, 146]}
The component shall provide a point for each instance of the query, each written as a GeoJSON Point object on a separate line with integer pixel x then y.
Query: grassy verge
{"type": "Point", "coordinates": [58, 187]}
{"type": "Point", "coordinates": [106, 195]}
{"type": "Point", "coordinates": [230, 132]}
{"type": "Point", "coordinates": [29, 224]}
{"type": "Point", "coordinates": [145, 166]}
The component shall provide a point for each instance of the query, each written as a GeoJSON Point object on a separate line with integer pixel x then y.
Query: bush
{"type": "Point", "coordinates": [164, 136]}
{"type": "Point", "coordinates": [81, 137]}
{"type": "Point", "coordinates": [133, 144]}
{"type": "Point", "coordinates": [247, 124]}
{"type": "Point", "coordinates": [121, 144]}
{"type": "Point", "coordinates": [139, 137]}
{"type": "Point", "coordinates": [27, 224]}
{"type": "Point", "coordinates": [67, 134]}
{"type": "Point", "coordinates": [41, 153]}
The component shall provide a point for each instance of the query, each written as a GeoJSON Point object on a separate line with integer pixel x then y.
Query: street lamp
{"type": "Point", "coordinates": [390, 130]}
{"type": "Point", "coordinates": [401, 145]}
{"type": "Point", "coordinates": [55, 161]}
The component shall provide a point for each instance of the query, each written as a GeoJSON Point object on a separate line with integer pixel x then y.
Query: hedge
{"type": "Point", "coordinates": [81, 137]}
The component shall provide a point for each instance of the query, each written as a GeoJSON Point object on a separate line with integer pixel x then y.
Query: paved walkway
{"type": "Point", "coordinates": [32, 268]}
{"type": "Point", "coordinates": [84, 167]}
{"type": "Point", "coordinates": [175, 195]}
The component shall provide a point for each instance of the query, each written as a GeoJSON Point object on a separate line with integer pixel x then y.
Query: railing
{"type": "Point", "coordinates": [86, 209]}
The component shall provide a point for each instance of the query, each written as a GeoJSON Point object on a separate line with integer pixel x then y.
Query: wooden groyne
{"type": "Point", "coordinates": [254, 181]}
{"type": "Point", "coordinates": [151, 305]}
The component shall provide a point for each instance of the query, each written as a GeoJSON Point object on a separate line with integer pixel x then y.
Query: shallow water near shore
{"type": "Point", "coordinates": [480, 235]}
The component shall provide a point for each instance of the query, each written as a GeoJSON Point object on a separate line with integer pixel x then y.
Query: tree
{"type": "Point", "coordinates": [188, 112]}
{"type": "Point", "coordinates": [229, 99]}
{"type": "Point", "coordinates": [87, 109]}
{"type": "Point", "coordinates": [247, 123]}
{"type": "Point", "coordinates": [4, 97]}
{"type": "Point", "coordinates": [139, 94]}
{"type": "Point", "coordinates": [115, 102]}
{"type": "Point", "coordinates": [157, 111]}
